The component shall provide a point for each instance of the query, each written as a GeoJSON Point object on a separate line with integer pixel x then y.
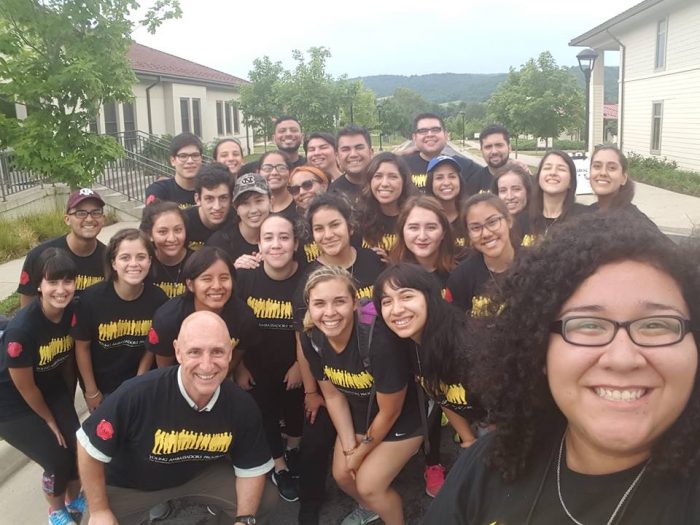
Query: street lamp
{"type": "Point", "coordinates": [463, 134]}
{"type": "Point", "coordinates": [586, 61]}
{"type": "Point", "coordinates": [379, 113]}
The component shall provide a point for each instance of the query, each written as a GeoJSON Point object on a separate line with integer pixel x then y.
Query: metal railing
{"type": "Point", "coordinates": [147, 145]}
{"type": "Point", "coordinates": [131, 174]}
{"type": "Point", "coordinates": [13, 179]}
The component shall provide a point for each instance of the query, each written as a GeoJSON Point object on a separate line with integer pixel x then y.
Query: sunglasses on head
{"type": "Point", "coordinates": [307, 185]}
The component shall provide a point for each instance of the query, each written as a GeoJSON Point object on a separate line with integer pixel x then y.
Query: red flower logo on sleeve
{"type": "Point", "coordinates": [14, 349]}
{"type": "Point", "coordinates": [448, 295]}
{"type": "Point", "coordinates": [104, 430]}
{"type": "Point", "coordinates": [74, 320]}
{"type": "Point", "coordinates": [153, 337]}
{"type": "Point", "coordinates": [24, 278]}
{"type": "Point", "coordinates": [150, 199]}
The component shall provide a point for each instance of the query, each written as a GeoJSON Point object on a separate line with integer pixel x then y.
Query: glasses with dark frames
{"type": "Point", "coordinates": [306, 186]}
{"type": "Point", "coordinates": [492, 225]}
{"type": "Point", "coordinates": [424, 131]}
{"type": "Point", "coordinates": [182, 157]}
{"type": "Point", "coordinates": [267, 168]}
{"type": "Point", "coordinates": [82, 214]}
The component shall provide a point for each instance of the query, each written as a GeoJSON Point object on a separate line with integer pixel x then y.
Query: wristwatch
{"type": "Point", "coordinates": [248, 519]}
{"type": "Point", "coordinates": [367, 439]}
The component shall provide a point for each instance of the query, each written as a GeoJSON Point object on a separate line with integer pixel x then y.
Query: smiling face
{"type": "Point", "coordinates": [494, 238]}
{"type": "Point", "coordinates": [620, 398]}
{"type": "Point", "coordinates": [229, 153]}
{"type": "Point", "coordinates": [555, 176]}
{"type": "Point", "coordinates": [168, 235]}
{"type": "Point", "coordinates": [321, 154]}
{"type": "Point", "coordinates": [446, 182]}
{"type": "Point", "coordinates": [429, 137]}
{"type": "Point", "coordinates": [405, 311]}
{"type": "Point", "coordinates": [88, 228]}
{"type": "Point", "coordinates": [274, 169]}
{"type": "Point", "coordinates": [495, 150]}
{"type": "Point", "coordinates": [423, 234]}
{"type": "Point", "coordinates": [607, 175]}
{"type": "Point", "coordinates": [332, 308]}
{"type": "Point", "coordinates": [354, 154]}
{"type": "Point", "coordinates": [186, 162]}
{"type": "Point", "coordinates": [277, 244]}
{"type": "Point", "coordinates": [512, 191]}
{"type": "Point", "coordinates": [56, 294]}
{"type": "Point", "coordinates": [331, 232]}
{"type": "Point", "coordinates": [214, 204]}
{"type": "Point", "coordinates": [252, 208]}
{"type": "Point", "coordinates": [305, 196]}
{"type": "Point", "coordinates": [386, 183]}
{"type": "Point", "coordinates": [131, 262]}
{"type": "Point", "coordinates": [288, 136]}
{"type": "Point", "coordinates": [212, 288]}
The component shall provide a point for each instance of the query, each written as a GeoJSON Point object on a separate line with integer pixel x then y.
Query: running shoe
{"type": "Point", "coordinates": [291, 457]}
{"type": "Point", "coordinates": [434, 479]}
{"type": "Point", "coordinates": [360, 516]}
{"type": "Point", "coordinates": [286, 485]}
{"type": "Point", "coordinates": [61, 517]}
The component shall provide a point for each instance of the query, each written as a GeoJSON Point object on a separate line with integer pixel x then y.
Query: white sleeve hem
{"type": "Point", "coordinates": [255, 471]}
{"type": "Point", "coordinates": [90, 448]}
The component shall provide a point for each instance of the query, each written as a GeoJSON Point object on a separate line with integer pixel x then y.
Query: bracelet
{"type": "Point", "coordinates": [350, 452]}
{"type": "Point", "coordinates": [92, 396]}
{"type": "Point", "coordinates": [311, 393]}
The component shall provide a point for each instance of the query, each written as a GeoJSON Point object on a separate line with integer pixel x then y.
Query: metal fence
{"type": "Point", "coordinates": [12, 179]}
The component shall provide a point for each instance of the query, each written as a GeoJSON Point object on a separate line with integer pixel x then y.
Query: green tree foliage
{"type": "Point", "coordinates": [63, 59]}
{"type": "Point", "coordinates": [540, 98]}
{"type": "Point", "coordinates": [399, 110]}
{"type": "Point", "coordinates": [357, 104]}
{"type": "Point", "coordinates": [261, 100]}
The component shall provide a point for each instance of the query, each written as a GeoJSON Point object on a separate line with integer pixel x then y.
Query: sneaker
{"type": "Point", "coordinates": [286, 485]}
{"type": "Point", "coordinates": [360, 516]}
{"type": "Point", "coordinates": [291, 457]}
{"type": "Point", "coordinates": [61, 517]}
{"type": "Point", "coordinates": [434, 479]}
{"type": "Point", "coordinates": [160, 511]}
{"type": "Point", "coordinates": [77, 507]}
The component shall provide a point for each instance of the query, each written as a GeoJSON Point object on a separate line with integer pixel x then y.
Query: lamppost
{"type": "Point", "coordinates": [379, 113]}
{"type": "Point", "coordinates": [463, 134]}
{"type": "Point", "coordinates": [586, 61]}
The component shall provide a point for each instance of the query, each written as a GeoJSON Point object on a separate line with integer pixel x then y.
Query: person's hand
{"type": "Point", "coordinates": [312, 402]}
{"type": "Point", "coordinates": [248, 262]}
{"type": "Point", "coordinates": [56, 432]}
{"type": "Point", "coordinates": [93, 402]}
{"type": "Point", "coordinates": [102, 517]}
{"type": "Point", "coordinates": [354, 461]}
{"type": "Point", "coordinates": [244, 378]}
{"type": "Point", "coordinates": [293, 377]}
{"type": "Point", "coordinates": [383, 255]}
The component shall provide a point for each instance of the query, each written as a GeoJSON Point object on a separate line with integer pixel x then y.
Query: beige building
{"type": "Point", "coordinates": [658, 42]}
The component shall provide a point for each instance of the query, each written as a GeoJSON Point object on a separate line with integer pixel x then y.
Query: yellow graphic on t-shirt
{"type": "Point", "coordinates": [121, 327]}
{"type": "Point", "coordinates": [455, 394]}
{"type": "Point", "coordinates": [172, 289]}
{"type": "Point", "coordinates": [386, 243]}
{"type": "Point", "coordinates": [234, 343]}
{"type": "Point", "coordinates": [54, 347]}
{"type": "Point", "coordinates": [270, 308]}
{"type": "Point", "coordinates": [365, 292]}
{"type": "Point", "coordinates": [346, 379]}
{"type": "Point", "coordinates": [481, 306]}
{"type": "Point", "coordinates": [459, 241]}
{"type": "Point", "coordinates": [83, 281]}
{"type": "Point", "coordinates": [311, 251]}
{"type": "Point", "coordinates": [195, 245]}
{"type": "Point", "coordinates": [419, 180]}
{"type": "Point", "coordinates": [528, 240]}
{"type": "Point", "coordinates": [174, 441]}
{"type": "Point", "coordinates": [184, 205]}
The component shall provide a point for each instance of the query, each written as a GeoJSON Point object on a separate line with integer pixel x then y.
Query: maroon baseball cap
{"type": "Point", "coordinates": [81, 195]}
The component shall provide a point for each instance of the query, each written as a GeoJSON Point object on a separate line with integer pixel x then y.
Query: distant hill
{"type": "Point", "coordinates": [469, 87]}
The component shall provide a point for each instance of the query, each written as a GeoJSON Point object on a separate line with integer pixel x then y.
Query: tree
{"type": "Point", "coordinates": [261, 100]}
{"type": "Point", "coordinates": [399, 110]}
{"type": "Point", "coordinates": [63, 59]}
{"type": "Point", "coordinates": [357, 104]}
{"type": "Point", "coordinates": [541, 99]}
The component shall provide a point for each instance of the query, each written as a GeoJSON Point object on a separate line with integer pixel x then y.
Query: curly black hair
{"type": "Point", "coordinates": [508, 349]}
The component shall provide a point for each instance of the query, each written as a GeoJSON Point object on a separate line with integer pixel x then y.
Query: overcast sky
{"type": "Point", "coordinates": [372, 37]}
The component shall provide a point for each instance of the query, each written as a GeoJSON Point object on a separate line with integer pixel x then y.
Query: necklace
{"type": "Point", "coordinates": [624, 497]}
{"type": "Point", "coordinates": [167, 268]}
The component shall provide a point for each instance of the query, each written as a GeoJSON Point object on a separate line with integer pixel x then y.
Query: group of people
{"type": "Point", "coordinates": [363, 301]}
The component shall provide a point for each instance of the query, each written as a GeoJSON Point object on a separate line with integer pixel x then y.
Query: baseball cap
{"type": "Point", "coordinates": [81, 195]}
{"type": "Point", "coordinates": [250, 182]}
{"type": "Point", "coordinates": [443, 158]}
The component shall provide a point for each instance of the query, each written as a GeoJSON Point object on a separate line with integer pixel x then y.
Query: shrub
{"type": "Point", "coordinates": [663, 174]}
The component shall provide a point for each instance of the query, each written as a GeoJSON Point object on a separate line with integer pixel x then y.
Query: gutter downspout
{"type": "Point", "coordinates": [148, 104]}
{"type": "Point", "coordinates": [621, 97]}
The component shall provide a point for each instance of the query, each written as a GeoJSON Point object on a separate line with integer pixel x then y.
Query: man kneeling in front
{"type": "Point", "coordinates": [173, 433]}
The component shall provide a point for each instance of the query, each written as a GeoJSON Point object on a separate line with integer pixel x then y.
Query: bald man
{"type": "Point", "coordinates": [173, 433]}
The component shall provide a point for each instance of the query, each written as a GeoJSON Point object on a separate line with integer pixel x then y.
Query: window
{"type": "Point", "coordinates": [185, 114]}
{"type": "Point", "coordinates": [228, 118]}
{"type": "Point", "coordinates": [661, 36]}
{"type": "Point", "coordinates": [236, 118]}
{"type": "Point", "coordinates": [7, 108]}
{"type": "Point", "coordinates": [197, 117]}
{"type": "Point", "coordinates": [129, 117]}
{"type": "Point", "coordinates": [657, 113]}
{"type": "Point", "coordinates": [93, 126]}
{"type": "Point", "coordinates": [219, 118]}
{"type": "Point", "coordinates": [111, 123]}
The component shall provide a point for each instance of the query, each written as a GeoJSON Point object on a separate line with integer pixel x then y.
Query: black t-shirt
{"type": "Point", "coordinates": [31, 340]}
{"type": "Point", "coordinates": [389, 372]}
{"type": "Point", "coordinates": [271, 302]}
{"type": "Point", "coordinates": [365, 271]}
{"type": "Point", "coordinates": [90, 269]}
{"type": "Point", "coordinates": [474, 494]}
{"type": "Point", "coordinates": [387, 227]}
{"type": "Point", "coordinates": [239, 319]}
{"type": "Point", "coordinates": [169, 278]}
{"type": "Point", "coordinates": [343, 186]}
{"type": "Point", "coordinates": [117, 330]}
{"type": "Point", "coordinates": [232, 242]}
{"type": "Point", "coordinates": [151, 438]}
{"type": "Point", "coordinates": [467, 284]}
{"type": "Point", "coordinates": [169, 190]}
{"type": "Point", "coordinates": [459, 233]}
{"type": "Point", "coordinates": [197, 233]}
{"type": "Point", "coordinates": [473, 177]}
{"type": "Point", "coordinates": [254, 166]}
{"type": "Point", "coordinates": [290, 212]}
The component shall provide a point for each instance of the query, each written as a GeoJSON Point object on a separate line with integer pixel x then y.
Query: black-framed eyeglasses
{"type": "Point", "coordinates": [424, 131]}
{"type": "Point", "coordinates": [492, 225]}
{"type": "Point", "coordinates": [267, 168]}
{"type": "Point", "coordinates": [657, 330]}
{"type": "Point", "coordinates": [82, 214]}
{"type": "Point", "coordinates": [182, 157]}
{"type": "Point", "coordinates": [307, 185]}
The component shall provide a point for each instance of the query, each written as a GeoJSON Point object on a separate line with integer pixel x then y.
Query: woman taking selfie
{"type": "Point", "coordinates": [592, 382]}
{"type": "Point", "coordinates": [445, 184]}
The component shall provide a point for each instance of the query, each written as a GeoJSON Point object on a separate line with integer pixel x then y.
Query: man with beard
{"type": "Point", "coordinates": [354, 154]}
{"type": "Point", "coordinates": [287, 137]}
{"type": "Point", "coordinates": [494, 141]}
